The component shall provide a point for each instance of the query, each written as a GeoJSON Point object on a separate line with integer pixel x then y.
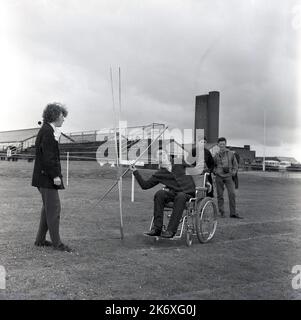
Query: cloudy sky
{"type": "Point", "coordinates": [169, 51]}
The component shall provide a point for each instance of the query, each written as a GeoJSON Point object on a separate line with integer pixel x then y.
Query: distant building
{"type": "Point", "coordinates": [20, 139]}
{"type": "Point", "coordinates": [80, 145]}
{"type": "Point", "coordinates": [290, 160]}
{"type": "Point", "coordinates": [246, 155]}
{"type": "Point", "coordinates": [207, 115]}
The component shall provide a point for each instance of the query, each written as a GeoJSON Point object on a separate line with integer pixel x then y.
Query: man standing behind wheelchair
{"type": "Point", "coordinates": [226, 168]}
{"type": "Point", "coordinates": [201, 158]}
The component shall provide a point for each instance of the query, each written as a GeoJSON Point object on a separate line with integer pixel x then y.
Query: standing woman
{"type": "Point", "coordinates": [47, 176]}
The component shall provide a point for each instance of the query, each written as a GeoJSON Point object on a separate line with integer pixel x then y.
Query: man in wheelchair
{"type": "Point", "coordinates": [179, 188]}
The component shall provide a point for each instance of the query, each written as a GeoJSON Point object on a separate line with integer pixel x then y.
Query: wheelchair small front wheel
{"type": "Point", "coordinates": [205, 219]}
{"type": "Point", "coordinates": [188, 238]}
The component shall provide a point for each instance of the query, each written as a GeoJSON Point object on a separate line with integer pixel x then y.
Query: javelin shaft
{"type": "Point", "coordinates": [119, 73]}
{"type": "Point", "coordinates": [119, 164]}
{"type": "Point", "coordinates": [127, 170]}
{"type": "Point", "coordinates": [115, 118]}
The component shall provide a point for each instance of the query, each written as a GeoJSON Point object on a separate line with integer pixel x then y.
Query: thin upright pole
{"type": "Point", "coordinates": [116, 150]}
{"type": "Point", "coordinates": [120, 166]}
{"type": "Point", "coordinates": [113, 100]}
{"type": "Point", "coordinates": [119, 74]}
{"type": "Point", "coordinates": [133, 189]}
{"type": "Point", "coordinates": [264, 139]}
{"type": "Point", "coordinates": [67, 168]}
{"type": "Point", "coordinates": [114, 113]}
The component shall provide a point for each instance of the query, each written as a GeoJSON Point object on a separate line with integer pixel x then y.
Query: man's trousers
{"type": "Point", "coordinates": [161, 198]}
{"type": "Point", "coordinates": [220, 183]}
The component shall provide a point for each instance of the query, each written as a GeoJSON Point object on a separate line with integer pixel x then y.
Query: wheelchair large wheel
{"type": "Point", "coordinates": [205, 219]}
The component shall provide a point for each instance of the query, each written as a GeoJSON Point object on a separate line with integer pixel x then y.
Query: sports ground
{"type": "Point", "coordinates": [247, 259]}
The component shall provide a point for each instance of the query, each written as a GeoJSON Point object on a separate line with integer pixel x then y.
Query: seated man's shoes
{"type": "Point", "coordinates": [154, 233]}
{"type": "Point", "coordinates": [168, 234]}
{"type": "Point", "coordinates": [62, 247]}
{"type": "Point", "coordinates": [44, 243]}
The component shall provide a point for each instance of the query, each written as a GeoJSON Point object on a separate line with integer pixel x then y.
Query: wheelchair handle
{"type": "Point", "coordinates": [206, 174]}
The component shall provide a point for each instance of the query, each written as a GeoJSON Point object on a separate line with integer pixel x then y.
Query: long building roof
{"type": "Point", "coordinates": [14, 136]}
{"type": "Point", "coordinates": [18, 135]}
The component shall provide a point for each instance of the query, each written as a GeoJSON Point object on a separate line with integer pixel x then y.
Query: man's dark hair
{"type": "Point", "coordinates": [221, 139]}
{"type": "Point", "coordinates": [52, 112]}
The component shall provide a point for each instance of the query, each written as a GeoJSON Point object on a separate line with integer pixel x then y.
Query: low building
{"type": "Point", "coordinates": [79, 145]}
{"type": "Point", "coordinates": [246, 155]}
{"type": "Point", "coordinates": [289, 160]}
{"type": "Point", "coordinates": [20, 139]}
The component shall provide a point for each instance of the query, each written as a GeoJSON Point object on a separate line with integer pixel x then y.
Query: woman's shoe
{"type": "Point", "coordinates": [62, 247]}
{"type": "Point", "coordinates": [43, 244]}
{"type": "Point", "coordinates": [236, 216]}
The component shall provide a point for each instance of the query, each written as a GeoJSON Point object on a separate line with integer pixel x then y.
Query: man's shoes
{"type": "Point", "coordinates": [168, 234]}
{"type": "Point", "coordinates": [62, 247]}
{"type": "Point", "coordinates": [235, 216]}
{"type": "Point", "coordinates": [154, 233]}
{"type": "Point", "coordinates": [43, 244]}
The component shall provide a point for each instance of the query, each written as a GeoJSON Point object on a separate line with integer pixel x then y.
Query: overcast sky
{"type": "Point", "coordinates": [168, 52]}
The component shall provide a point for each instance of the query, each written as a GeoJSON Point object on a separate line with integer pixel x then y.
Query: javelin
{"type": "Point", "coordinates": [116, 146]}
{"type": "Point", "coordinates": [114, 113]}
{"type": "Point", "coordinates": [126, 171]}
{"type": "Point", "coordinates": [119, 162]}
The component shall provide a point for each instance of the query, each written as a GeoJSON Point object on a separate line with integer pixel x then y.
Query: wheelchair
{"type": "Point", "coordinates": [199, 216]}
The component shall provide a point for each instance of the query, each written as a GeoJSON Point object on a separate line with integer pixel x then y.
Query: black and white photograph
{"type": "Point", "coordinates": [150, 151]}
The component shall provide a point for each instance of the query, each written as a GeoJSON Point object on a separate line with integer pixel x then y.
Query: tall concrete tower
{"type": "Point", "coordinates": [207, 115]}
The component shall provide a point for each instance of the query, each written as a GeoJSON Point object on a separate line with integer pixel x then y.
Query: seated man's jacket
{"type": "Point", "coordinates": [176, 180]}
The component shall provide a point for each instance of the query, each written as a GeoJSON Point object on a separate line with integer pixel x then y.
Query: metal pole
{"type": "Point", "coordinates": [120, 208]}
{"type": "Point", "coordinates": [120, 158]}
{"type": "Point", "coordinates": [119, 73]}
{"type": "Point", "coordinates": [264, 139]}
{"type": "Point", "coordinates": [67, 168]}
{"type": "Point", "coordinates": [133, 189]}
{"type": "Point", "coordinates": [119, 182]}
{"type": "Point", "coordinates": [120, 186]}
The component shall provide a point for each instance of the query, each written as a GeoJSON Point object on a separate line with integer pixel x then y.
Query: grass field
{"type": "Point", "coordinates": [247, 259]}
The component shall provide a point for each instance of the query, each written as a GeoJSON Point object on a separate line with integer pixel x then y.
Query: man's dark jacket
{"type": "Point", "coordinates": [209, 164]}
{"type": "Point", "coordinates": [47, 163]}
{"type": "Point", "coordinates": [176, 180]}
{"type": "Point", "coordinates": [207, 157]}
